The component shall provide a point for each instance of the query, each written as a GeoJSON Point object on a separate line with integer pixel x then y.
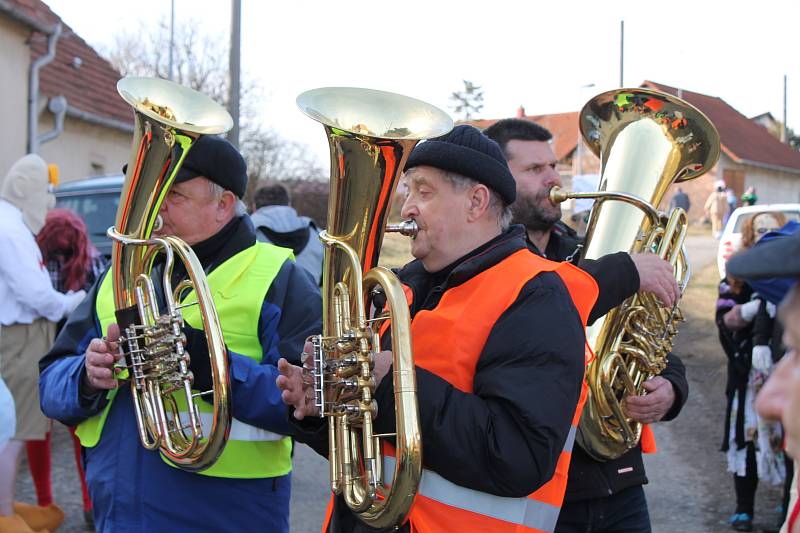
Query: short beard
{"type": "Point", "coordinates": [529, 212]}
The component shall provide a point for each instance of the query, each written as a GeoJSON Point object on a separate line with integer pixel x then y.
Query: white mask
{"type": "Point", "coordinates": [26, 187]}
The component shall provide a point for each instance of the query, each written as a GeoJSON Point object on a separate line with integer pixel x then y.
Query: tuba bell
{"type": "Point", "coordinates": [646, 141]}
{"type": "Point", "coordinates": [169, 118]}
{"type": "Point", "coordinates": [370, 134]}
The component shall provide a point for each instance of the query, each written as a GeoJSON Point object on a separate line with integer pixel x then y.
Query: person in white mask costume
{"type": "Point", "coordinates": [29, 308]}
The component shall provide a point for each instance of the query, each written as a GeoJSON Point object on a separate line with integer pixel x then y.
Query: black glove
{"type": "Point", "coordinates": [200, 365]}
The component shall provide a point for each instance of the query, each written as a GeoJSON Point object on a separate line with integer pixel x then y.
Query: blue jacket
{"type": "Point", "coordinates": [131, 488]}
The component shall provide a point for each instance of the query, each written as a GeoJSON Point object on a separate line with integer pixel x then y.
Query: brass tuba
{"type": "Point", "coordinates": [169, 118]}
{"type": "Point", "coordinates": [370, 134]}
{"type": "Point", "coordinates": [646, 141]}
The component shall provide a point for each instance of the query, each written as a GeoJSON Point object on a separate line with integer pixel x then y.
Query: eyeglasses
{"type": "Point", "coordinates": [762, 231]}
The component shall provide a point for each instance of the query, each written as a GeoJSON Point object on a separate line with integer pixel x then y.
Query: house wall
{"type": "Point", "coordinates": [83, 149]}
{"type": "Point", "coordinates": [698, 190]}
{"type": "Point", "coordinates": [773, 187]}
{"type": "Point", "coordinates": [13, 92]}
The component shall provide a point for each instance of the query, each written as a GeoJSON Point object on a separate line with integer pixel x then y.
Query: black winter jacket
{"type": "Point", "coordinates": [504, 438]}
{"type": "Point", "coordinates": [617, 280]}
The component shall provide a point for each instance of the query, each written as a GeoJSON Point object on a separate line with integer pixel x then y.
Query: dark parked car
{"type": "Point", "coordinates": [96, 201]}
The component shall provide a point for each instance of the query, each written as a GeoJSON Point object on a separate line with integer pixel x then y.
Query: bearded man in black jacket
{"type": "Point", "coordinates": [601, 496]}
{"type": "Point", "coordinates": [498, 342]}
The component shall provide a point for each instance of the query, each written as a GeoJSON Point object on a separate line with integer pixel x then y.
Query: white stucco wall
{"type": "Point", "coordinates": [83, 149]}
{"type": "Point", "coordinates": [14, 64]}
{"type": "Point", "coordinates": [772, 186]}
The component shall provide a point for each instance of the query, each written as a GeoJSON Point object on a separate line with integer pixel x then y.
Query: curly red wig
{"type": "Point", "coordinates": [64, 239]}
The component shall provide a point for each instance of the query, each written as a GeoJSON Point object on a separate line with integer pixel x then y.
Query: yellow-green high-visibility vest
{"type": "Point", "coordinates": [238, 287]}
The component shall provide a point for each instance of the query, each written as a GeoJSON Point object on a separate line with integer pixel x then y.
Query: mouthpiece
{"type": "Point", "coordinates": [408, 228]}
{"type": "Point", "coordinates": [558, 195]}
{"type": "Point", "coordinates": [158, 223]}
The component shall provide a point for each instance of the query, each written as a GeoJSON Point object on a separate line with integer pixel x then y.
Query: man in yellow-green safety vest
{"type": "Point", "coordinates": [267, 307]}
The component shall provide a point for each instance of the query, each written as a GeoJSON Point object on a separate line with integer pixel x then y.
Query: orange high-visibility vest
{"type": "Point", "coordinates": [462, 322]}
{"type": "Point", "coordinates": [648, 440]}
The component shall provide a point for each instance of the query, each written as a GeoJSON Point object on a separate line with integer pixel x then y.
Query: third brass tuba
{"type": "Point", "coordinates": [370, 134]}
{"type": "Point", "coordinates": [169, 118]}
{"type": "Point", "coordinates": [646, 141]}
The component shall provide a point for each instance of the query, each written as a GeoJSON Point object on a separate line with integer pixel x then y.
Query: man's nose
{"type": "Point", "coordinates": [553, 178]}
{"type": "Point", "coordinates": [409, 210]}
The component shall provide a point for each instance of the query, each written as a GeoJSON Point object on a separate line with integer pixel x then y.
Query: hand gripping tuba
{"type": "Point", "coordinates": [169, 118]}
{"type": "Point", "coordinates": [646, 141]}
{"type": "Point", "coordinates": [370, 134]}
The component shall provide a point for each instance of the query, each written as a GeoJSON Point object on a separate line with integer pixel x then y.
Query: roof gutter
{"type": "Point", "coordinates": [23, 18]}
{"type": "Point", "coordinates": [777, 168]}
{"type": "Point", "coordinates": [93, 118]}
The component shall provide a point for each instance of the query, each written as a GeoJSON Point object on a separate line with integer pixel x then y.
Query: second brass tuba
{"type": "Point", "coordinates": [169, 118]}
{"type": "Point", "coordinates": [370, 134]}
{"type": "Point", "coordinates": [646, 141]}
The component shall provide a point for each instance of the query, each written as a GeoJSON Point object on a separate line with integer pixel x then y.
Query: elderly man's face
{"type": "Point", "coordinates": [533, 165]}
{"type": "Point", "coordinates": [779, 399]}
{"type": "Point", "coordinates": [440, 211]}
{"type": "Point", "coordinates": [192, 212]}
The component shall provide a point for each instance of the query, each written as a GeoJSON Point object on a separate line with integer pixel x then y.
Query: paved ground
{"type": "Point", "coordinates": [309, 489]}
{"type": "Point", "coordinates": [689, 489]}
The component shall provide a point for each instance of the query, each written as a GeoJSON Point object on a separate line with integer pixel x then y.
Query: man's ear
{"type": "Point", "coordinates": [479, 197]}
{"type": "Point", "coordinates": [227, 204]}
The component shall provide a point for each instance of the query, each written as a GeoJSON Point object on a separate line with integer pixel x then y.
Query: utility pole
{"type": "Point", "coordinates": [233, 99]}
{"type": "Point", "coordinates": [621, 52]}
{"type": "Point", "coordinates": [171, 37]}
{"type": "Point", "coordinates": [785, 132]}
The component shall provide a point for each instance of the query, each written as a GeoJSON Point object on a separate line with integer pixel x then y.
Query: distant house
{"type": "Point", "coordinates": [564, 127]}
{"type": "Point", "coordinates": [773, 125]}
{"type": "Point", "coordinates": [751, 155]}
{"type": "Point", "coordinates": [97, 124]}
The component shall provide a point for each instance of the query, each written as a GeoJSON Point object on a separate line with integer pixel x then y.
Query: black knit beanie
{"type": "Point", "coordinates": [467, 151]}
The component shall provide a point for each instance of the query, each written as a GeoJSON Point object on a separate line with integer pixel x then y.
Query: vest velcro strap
{"type": "Point", "coordinates": [239, 429]}
{"type": "Point", "coordinates": [523, 511]}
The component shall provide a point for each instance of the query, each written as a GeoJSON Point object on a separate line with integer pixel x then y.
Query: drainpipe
{"type": "Point", "coordinates": [33, 91]}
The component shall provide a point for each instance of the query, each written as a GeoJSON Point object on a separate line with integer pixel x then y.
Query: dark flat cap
{"type": "Point", "coordinates": [216, 159]}
{"type": "Point", "coordinates": [775, 256]}
{"type": "Point", "coordinates": [470, 153]}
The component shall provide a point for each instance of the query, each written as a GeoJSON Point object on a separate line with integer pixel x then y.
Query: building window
{"type": "Point", "coordinates": [98, 169]}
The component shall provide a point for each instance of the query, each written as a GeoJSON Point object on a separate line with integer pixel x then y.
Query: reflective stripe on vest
{"type": "Point", "coordinates": [526, 512]}
{"type": "Point", "coordinates": [238, 430]}
{"type": "Point", "coordinates": [462, 321]}
{"type": "Point", "coordinates": [238, 287]}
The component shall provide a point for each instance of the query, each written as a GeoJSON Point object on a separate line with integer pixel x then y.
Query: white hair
{"type": "Point", "coordinates": [496, 205]}
{"type": "Point", "coordinates": [218, 190]}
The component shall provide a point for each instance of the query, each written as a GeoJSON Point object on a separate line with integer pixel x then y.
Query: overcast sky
{"type": "Point", "coordinates": [538, 54]}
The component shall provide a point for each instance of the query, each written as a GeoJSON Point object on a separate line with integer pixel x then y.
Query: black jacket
{"type": "Point", "coordinates": [504, 438]}
{"type": "Point", "coordinates": [615, 274]}
{"type": "Point", "coordinates": [617, 280]}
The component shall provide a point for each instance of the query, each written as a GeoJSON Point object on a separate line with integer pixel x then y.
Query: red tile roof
{"type": "Point", "coordinates": [742, 139]}
{"type": "Point", "coordinates": [92, 86]}
{"type": "Point", "coordinates": [563, 126]}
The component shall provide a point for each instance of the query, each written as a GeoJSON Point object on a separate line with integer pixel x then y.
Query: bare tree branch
{"type": "Point", "coordinates": [200, 61]}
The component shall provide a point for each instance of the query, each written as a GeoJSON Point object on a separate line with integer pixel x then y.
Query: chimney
{"type": "Point", "coordinates": [521, 112]}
